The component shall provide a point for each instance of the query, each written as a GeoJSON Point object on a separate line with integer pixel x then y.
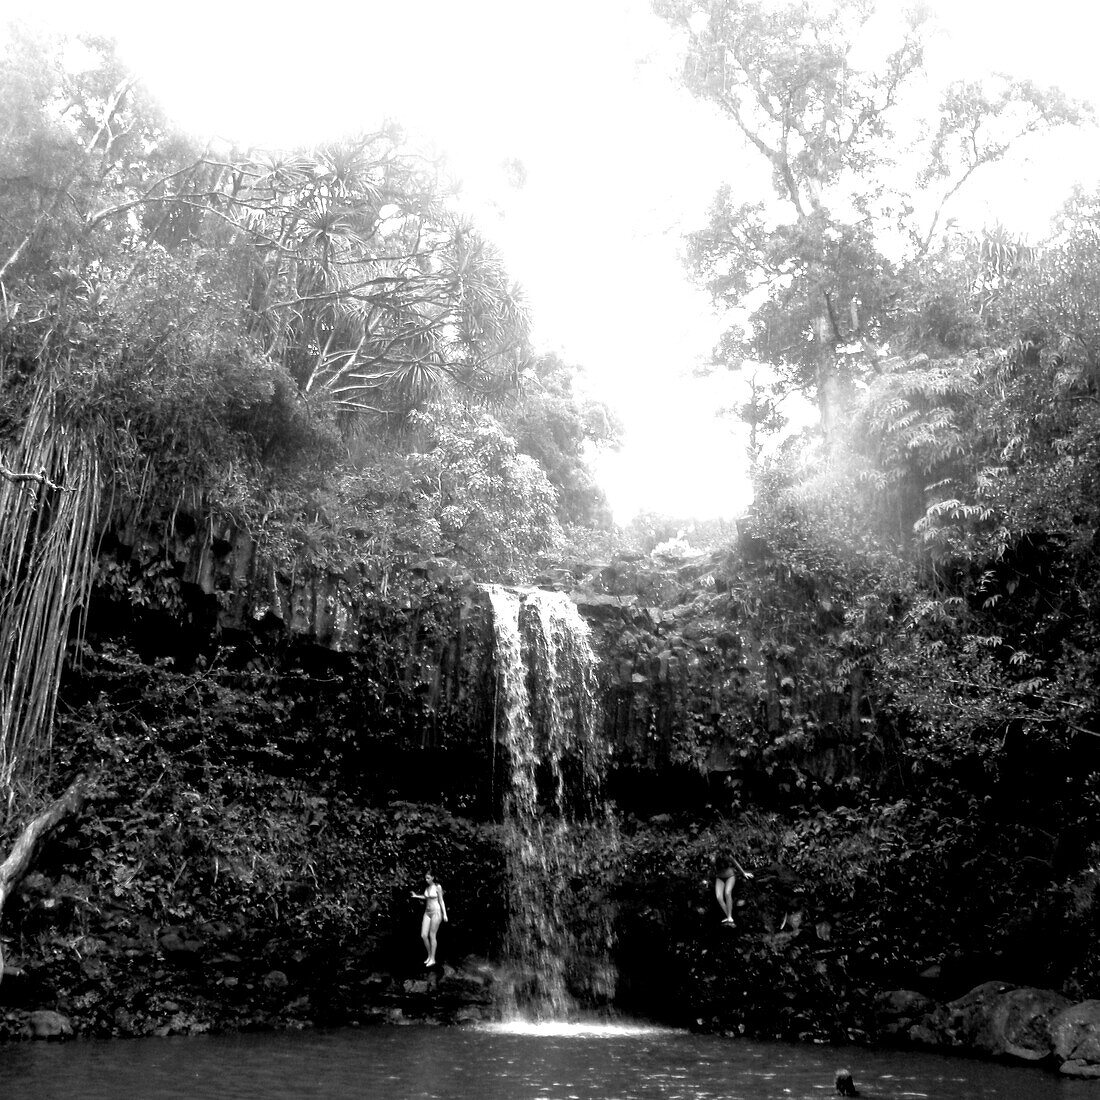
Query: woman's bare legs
{"type": "Point", "coordinates": [429, 933]}
{"type": "Point", "coordinates": [730, 883]}
{"type": "Point", "coordinates": [425, 935]}
{"type": "Point", "coordinates": [723, 891]}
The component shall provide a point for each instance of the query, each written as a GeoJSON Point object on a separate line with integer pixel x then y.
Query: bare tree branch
{"type": "Point", "coordinates": [19, 859]}
{"type": "Point", "coordinates": [41, 479]}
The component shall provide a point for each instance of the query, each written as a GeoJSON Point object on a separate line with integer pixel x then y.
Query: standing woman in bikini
{"type": "Point", "coordinates": [725, 879]}
{"type": "Point", "coordinates": [435, 912]}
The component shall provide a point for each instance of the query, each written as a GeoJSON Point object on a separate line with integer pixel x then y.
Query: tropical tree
{"type": "Point", "coordinates": [466, 492]}
{"type": "Point", "coordinates": [560, 428]}
{"type": "Point", "coordinates": [359, 279]}
{"type": "Point", "coordinates": [819, 265]}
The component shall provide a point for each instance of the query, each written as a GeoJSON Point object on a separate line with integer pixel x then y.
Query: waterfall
{"type": "Point", "coordinates": [559, 930]}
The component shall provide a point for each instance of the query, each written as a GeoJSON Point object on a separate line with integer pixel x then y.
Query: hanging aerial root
{"type": "Point", "coordinates": [49, 522]}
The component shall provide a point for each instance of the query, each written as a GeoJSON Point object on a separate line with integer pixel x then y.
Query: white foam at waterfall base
{"type": "Point", "coordinates": [574, 1029]}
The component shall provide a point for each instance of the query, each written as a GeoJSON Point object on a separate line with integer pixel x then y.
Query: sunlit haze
{"type": "Point", "coordinates": [618, 161]}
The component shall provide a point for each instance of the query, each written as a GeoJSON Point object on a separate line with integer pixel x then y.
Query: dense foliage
{"type": "Point", "coordinates": [314, 347]}
{"type": "Point", "coordinates": [226, 841]}
{"type": "Point", "coordinates": [886, 695]}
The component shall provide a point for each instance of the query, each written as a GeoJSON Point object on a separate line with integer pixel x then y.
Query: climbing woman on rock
{"type": "Point", "coordinates": [435, 912]}
{"type": "Point", "coordinates": [725, 879]}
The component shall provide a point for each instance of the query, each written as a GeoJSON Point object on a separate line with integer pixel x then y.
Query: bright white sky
{"type": "Point", "coordinates": [619, 161]}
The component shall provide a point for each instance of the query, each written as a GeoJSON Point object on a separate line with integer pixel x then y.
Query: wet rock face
{"type": "Point", "coordinates": [672, 668]}
{"type": "Point", "coordinates": [228, 584]}
{"type": "Point", "coordinates": [397, 669]}
{"type": "Point", "coordinates": [460, 994]}
{"type": "Point", "coordinates": [706, 662]}
{"type": "Point", "coordinates": [719, 668]}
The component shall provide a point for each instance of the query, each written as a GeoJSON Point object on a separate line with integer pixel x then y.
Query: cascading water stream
{"type": "Point", "coordinates": [558, 940]}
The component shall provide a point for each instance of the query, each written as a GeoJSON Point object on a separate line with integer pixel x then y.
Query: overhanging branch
{"type": "Point", "coordinates": [26, 843]}
{"type": "Point", "coordinates": [40, 479]}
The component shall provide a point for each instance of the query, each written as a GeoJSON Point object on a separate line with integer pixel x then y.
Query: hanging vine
{"type": "Point", "coordinates": [49, 505]}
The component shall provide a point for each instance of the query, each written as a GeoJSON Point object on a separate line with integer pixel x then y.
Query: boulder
{"type": "Point", "coordinates": [897, 1010]}
{"type": "Point", "coordinates": [1022, 1023]}
{"type": "Point", "coordinates": [275, 979]}
{"type": "Point", "coordinates": [970, 1017]}
{"type": "Point", "coordinates": [595, 606]}
{"type": "Point", "coordinates": [45, 1024]}
{"type": "Point", "coordinates": [996, 1019]}
{"type": "Point", "coordinates": [1075, 1033]}
{"type": "Point", "coordinates": [468, 1014]}
{"type": "Point", "coordinates": [1077, 1067]}
{"type": "Point", "coordinates": [925, 1034]}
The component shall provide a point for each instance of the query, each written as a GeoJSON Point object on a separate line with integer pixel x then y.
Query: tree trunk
{"type": "Point", "coordinates": [826, 382]}
{"type": "Point", "coordinates": [26, 844]}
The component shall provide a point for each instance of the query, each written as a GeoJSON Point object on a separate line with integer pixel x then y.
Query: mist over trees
{"type": "Point", "coordinates": [834, 265]}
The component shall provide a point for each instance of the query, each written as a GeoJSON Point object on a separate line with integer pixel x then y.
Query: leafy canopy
{"type": "Point", "coordinates": [823, 93]}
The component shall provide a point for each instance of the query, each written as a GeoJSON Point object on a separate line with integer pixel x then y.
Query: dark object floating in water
{"type": "Point", "coordinates": [845, 1086]}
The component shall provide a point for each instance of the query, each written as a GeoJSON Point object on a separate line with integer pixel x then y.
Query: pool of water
{"type": "Point", "coordinates": [549, 1062]}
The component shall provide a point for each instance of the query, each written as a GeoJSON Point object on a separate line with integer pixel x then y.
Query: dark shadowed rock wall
{"type": "Point", "coordinates": [718, 675]}
{"type": "Point", "coordinates": [721, 678]}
